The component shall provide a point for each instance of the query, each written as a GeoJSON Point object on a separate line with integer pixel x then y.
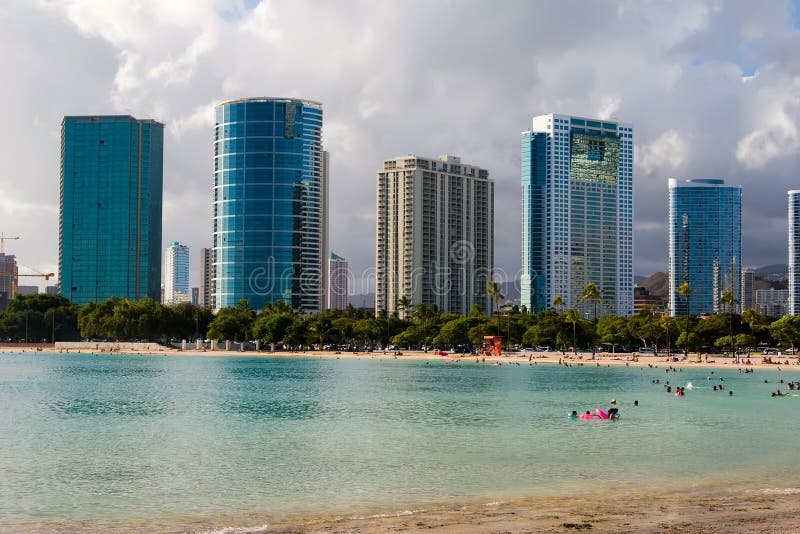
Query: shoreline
{"type": "Point", "coordinates": [715, 509]}
{"type": "Point", "coordinates": [695, 360]}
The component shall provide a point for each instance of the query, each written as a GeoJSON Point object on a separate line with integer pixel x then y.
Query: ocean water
{"type": "Point", "coordinates": [99, 440]}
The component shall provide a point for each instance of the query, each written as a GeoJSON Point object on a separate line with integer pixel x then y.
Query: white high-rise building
{"type": "Point", "coordinates": [794, 252]}
{"type": "Point", "coordinates": [176, 274]}
{"type": "Point", "coordinates": [577, 213]}
{"type": "Point", "coordinates": [337, 283]}
{"type": "Point", "coordinates": [206, 278]}
{"type": "Point", "coordinates": [748, 299]}
{"type": "Point", "coordinates": [434, 234]}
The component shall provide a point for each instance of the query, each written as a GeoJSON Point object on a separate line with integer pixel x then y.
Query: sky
{"type": "Point", "coordinates": [711, 87]}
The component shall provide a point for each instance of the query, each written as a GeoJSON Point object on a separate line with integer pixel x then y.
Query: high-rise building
{"type": "Point", "coordinates": [705, 244]}
{"type": "Point", "coordinates": [110, 208]}
{"type": "Point", "coordinates": [748, 299]}
{"type": "Point", "coordinates": [176, 274]}
{"type": "Point", "coordinates": [337, 282]}
{"type": "Point", "coordinates": [195, 296]}
{"type": "Point", "coordinates": [206, 277]}
{"type": "Point", "coordinates": [577, 213]}
{"type": "Point", "coordinates": [270, 187]}
{"type": "Point", "coordinates": [434, 234]}
{"type": "Point", "coordinates": [794, 251]}
{"type": "Point", "coordinates": [8, 279]}
{"type": "Point", "coordinates": [772, 302]}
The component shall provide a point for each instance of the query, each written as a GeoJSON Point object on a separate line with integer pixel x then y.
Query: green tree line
{"type": "Point", "coordinates": [41, 318]}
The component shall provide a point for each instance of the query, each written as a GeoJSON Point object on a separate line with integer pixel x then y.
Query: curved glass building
{"type": "Point", "coordinates": [705, 244]}
{"type": "Point", "coordinates": [270, 203]}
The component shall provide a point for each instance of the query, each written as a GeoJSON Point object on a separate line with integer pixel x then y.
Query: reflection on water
{"type": "Point", "coordinates": [121, 438]}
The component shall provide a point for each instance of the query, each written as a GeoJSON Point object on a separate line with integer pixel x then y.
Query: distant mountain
{"type": "Point", "coordinates": [639, 278]}
{"type": "Point", "coordinates": [657, 284]}
{"type": "Point", "coordinates": [773, 273]}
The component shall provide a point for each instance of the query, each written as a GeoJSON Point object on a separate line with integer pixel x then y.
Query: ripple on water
{"type": "Point", "coordinates": [107, 407]}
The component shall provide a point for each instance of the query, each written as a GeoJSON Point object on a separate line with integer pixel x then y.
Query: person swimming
{"type": "Point", "coordinates": [573, 415]}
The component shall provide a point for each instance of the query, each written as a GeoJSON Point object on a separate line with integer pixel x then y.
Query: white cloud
{"type": "Point", "coordinates": [777, 134]}
{"type": "Point", "coordinates": [201, 118]}
{"type": "Point", "coordinates": [263, 23]}
{"type": "Point", "coordinates": [413, 76]}
{"type": "Point", "coordinates": [667, 153]}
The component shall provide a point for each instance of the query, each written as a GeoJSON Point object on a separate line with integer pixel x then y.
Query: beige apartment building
{"type": "Point", "coordinates": [434, 234]}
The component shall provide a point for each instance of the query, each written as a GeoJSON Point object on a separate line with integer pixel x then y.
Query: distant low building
{"type": "Point", "coordinates": [772, 302]}
{"type": "Point", "coordinates": [51, 290]}
{"type": "Point", "coordinates": [642, 298]}
{"type": "Point", "coordinates": [27, 290]}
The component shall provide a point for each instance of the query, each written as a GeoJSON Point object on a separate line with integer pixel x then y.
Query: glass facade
{"type": "Point", "coordinates": [705, 244]}
{"type": "Point", "coordinates": [269, 192]}
{"type": "Point", "coordinates": [577, 213]}
{"type": "Point", "coordinates": [794, 252]}
{"type": "Point", "coordinates": [176, 274]}
{"type": "Point", "coordinates": [110, 208]}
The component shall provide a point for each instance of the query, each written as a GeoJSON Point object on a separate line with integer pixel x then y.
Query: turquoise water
{"type": "Point", "coordinates": [128, 438]}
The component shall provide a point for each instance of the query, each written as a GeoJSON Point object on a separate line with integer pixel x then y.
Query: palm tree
{"type": "Point", "coordinates": [728, 300]}
{"type": "Point", "coordinates": [685, 290]}
{"type": "Point", "coordinates": [403, 304]}
{"type": "Point", "coordinates": [666, 322]}
{"type": "Point", "coordinates": [424, 314]}
{"type": "Point", "coordinates": [572, 317]}
{"type": "Point", "coordinates": [592, 293]}
{"type": "Point", "coordinates": [493, 292]}
{"type": "Point", "coordinates": [558, 303]}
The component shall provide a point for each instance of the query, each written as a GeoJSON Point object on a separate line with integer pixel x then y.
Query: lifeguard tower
{"type": "Point", "coordinates": [495, 345]}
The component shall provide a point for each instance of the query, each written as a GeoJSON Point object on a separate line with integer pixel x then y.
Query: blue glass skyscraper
{"type": "Point", "coordinates": [705, 244]}
{"type": "Point", "coordinates": [110, 208]}
{"type": "Point", "coordinates": [270, 193]}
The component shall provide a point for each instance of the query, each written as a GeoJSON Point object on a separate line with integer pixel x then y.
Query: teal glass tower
{"type": "Point", "coordinates": [110, 208]}
{"type": "Point", "coordinates": [705, 244]}
{"type": "Point", "coordinates": [270, 204]}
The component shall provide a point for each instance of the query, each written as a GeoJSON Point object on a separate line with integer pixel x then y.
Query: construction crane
{"type": "Point", "coordinates": [35, 272]}
{"type": "Point", "coordinates": [46, 276]}
{"type": "Point", "coordinates": [3, 240]}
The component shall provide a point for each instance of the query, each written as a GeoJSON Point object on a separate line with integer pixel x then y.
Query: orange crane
{"type": "Point", "coordinates": [46, 276]}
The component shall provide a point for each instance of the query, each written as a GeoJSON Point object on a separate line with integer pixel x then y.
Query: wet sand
{"type": "Point", "coordinates": [707, 511]}
{"type": "Point", "coordinates": [724, 510]}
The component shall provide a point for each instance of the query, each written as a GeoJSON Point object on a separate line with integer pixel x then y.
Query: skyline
{"type": "Point", "coordinates": [714, 97]}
